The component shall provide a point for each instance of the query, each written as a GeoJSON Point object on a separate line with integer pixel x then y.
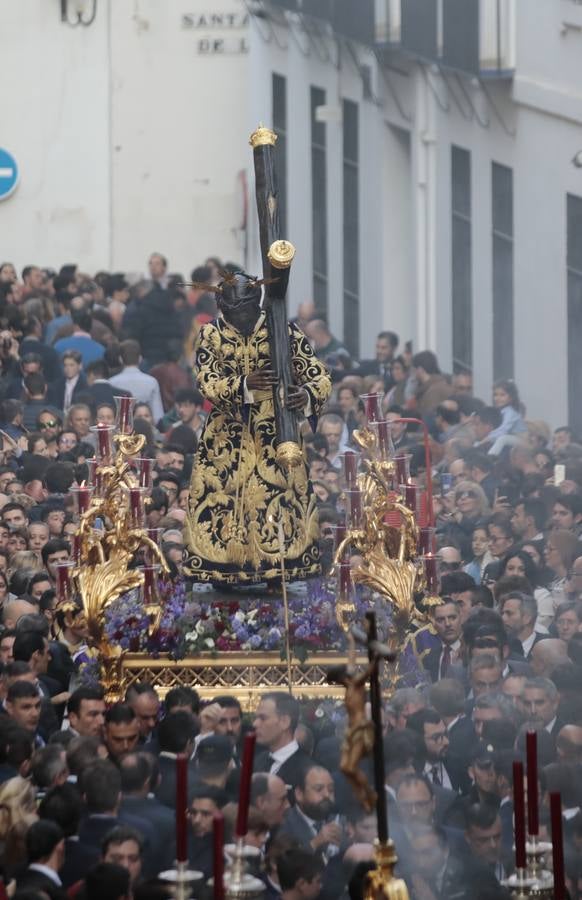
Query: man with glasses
{"type": "Point", "coordinates": [450, 559]}
{"type": "Point", "coordinates": [419, 804]}
{"type": "Point", "coordinates": [500, 536]}
{"type": "Point", "coordinates": [440, 768]}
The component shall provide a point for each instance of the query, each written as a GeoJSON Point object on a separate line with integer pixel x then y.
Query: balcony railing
{"type": "Point", "coordinates": [474, 36]}
{"type": "Point", "coordinates": [354, 19]}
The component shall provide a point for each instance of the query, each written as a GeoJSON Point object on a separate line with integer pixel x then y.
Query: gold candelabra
{"type": "Point", "coordinates": [111, 533]}
{"type": "Point", "coordinates": [396, 556]}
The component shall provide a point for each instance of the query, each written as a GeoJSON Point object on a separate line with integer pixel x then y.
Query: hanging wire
{"type": "Point", "coordinates": [484, 123]}
{"type": "Point", "coordinates": [444, 105]}
{"type": "Point", "coordinates": [305, 24]}
{"type": "Point", "coordinates": [259, 21]}
{"type": "Point", "coordinates": [466, 114]}
{"type": "Point", "coordinates": [508, 131]}
{"type": "Point", "coordinates": [305, 52]}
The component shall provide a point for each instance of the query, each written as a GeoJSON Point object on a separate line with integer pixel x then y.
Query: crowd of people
{"type": "Point", "coordinates": [88, 792]}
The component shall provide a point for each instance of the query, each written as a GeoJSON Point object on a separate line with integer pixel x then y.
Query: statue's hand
{"type": "Point", "coordinates": [262, 379]}
{"type": "Point", "coordinates": [297, 397]}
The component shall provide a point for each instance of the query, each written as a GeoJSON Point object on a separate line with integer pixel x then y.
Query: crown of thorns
{"type": "Point", "coordinates": [228, 279]}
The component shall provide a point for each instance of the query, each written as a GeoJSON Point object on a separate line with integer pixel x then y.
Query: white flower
{"type": "Point", "coordinates": [209, 643]}
{"type": "Point", "coordinates": [239, 616]}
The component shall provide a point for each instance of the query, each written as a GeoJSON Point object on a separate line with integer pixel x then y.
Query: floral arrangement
{"type": "Point", "coordinates": [195, 622]}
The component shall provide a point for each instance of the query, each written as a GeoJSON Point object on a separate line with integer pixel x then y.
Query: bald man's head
{"type": "Point", "coordinates": [569, 744]}
{"type": "Point", "coordinates": [449, 555]}
{"type": "Point", "coordinates": [547, 655]}
{"type": "Point", "coordinates": [13, 610]}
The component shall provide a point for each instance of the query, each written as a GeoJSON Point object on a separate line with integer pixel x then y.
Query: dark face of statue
{"type": "Point", "coordinates": [239, 303]}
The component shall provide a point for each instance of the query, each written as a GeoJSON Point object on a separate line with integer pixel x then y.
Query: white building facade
{"type": "Point", "coordinates": [425, 161]}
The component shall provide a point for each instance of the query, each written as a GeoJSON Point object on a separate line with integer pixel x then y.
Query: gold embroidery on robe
{"type": "Point", "coordinates": [238, 493]}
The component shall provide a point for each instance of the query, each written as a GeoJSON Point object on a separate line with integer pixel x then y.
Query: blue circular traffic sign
{"type": "Point", "coordinates": [8, 174]}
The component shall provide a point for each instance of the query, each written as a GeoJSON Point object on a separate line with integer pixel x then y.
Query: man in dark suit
{"type": "Point", "coordinates": [175, 735]}
{"type": "Point", "coordinates": [100, 786]}
{"type": "Point", "coordinates": [45, 848]}
{"type": "Point", "coordinates": [447, 622]}
{"type": "Point", "coordinates": [205, 803]}
{"type": "Point", "coordinates": [540, 703]}
{"type": "Point", "coordinates": [98, 390]}
{"type": "Point", "coordinates": [448, 698]}
{"type": "Point", "coordinates": [483, 834]}
{"type": "Point", "coordinates": [503, 765]}
{"type": "Point", "coordinates": [312, 821]}
{"type": "Point", "coordinates": [519, 612]}
{"type": "Point", "coordinates": [68, 388]}
{"type": "Point", "coordinates": [63, 805]}
{"type": "Point", "coordinates": [32, 648]}
{"type": "Point", "coordinates": [381, 366]}
{"type": "Point", "coordinates": [436, 870]}
{"type": "Point", "coordinates": [418, 805]}
{"type": "Point", "coordinates": [440, 766]}
{"type": "Point", "coordinates": [139, 776]}
{"type": "Point", "coordinates": [275, 723]}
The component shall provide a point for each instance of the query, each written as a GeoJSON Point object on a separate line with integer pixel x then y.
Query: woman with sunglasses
{"type": "Point", "coordinates": [470, 507]}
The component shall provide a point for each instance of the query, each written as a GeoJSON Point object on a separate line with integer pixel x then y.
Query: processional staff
{"type": "Point", "coordinates": [277, 257]}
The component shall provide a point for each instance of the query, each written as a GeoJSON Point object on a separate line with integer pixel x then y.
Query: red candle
{"type": "Point", "coordinates": [431, 573]}
{"type": "Point", "coordinates": [519, 816]}
{"type": "Point", "coordinates": [384, 438]}
{"type": "Point", "coordinates": [135, 498]}
{"type": "Point", "coordinates": [426, 540]}
{"type": "Point", "coordinates": [150, 591]}
{"type": "Point", "coordinates": [533, 825]}
{"type": "Point", "coordinates": [351, 469]}
{"type": "Point", "coordinates": [181, 807]}
{"type": "Point", "coordinates": [92, 466]}
{"type": "Point", "coordinates": [103, 441]}
{"type": "Point", "coordinates": [557, 847]}
{"type": "Point", "coordinates": [246, 773]}
{"type": "Point", "coordinates": [372, 408]}
{"type": "Point", "coordinates": [76, 549]}
{"type": "Point", "coordinates": [401, 463]}
{"type": "Point", "coordinates": [124, 414]}
{"type": "Point", "coordinates": [84, 495]}
{"type": "Point", "coordinates": [411, 496]}
{"type": "Point", "coordinates": [218, 848]}
{"type": "Point", "coordinates": [345, 585]}
{"type": "Point", "coordinates": [154, 535]}
{"type": "Point", "coordinates": [63, 579]}
{"type": "Point", "coordinates": [355, 501]}
{"type": "Point", "coordinates": [145, 473]}
{"type": "Point", "coordinates": [339, 533]}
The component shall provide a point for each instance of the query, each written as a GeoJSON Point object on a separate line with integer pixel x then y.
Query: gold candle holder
{"type": "Point", "coordinates": [181, 878]}
{"type": "Point", "coordinates": [381, 882]}
{"type": "Point", "coordinates": [238, 883]}
{"type": "Point", "coordinates": [536, 881]}
{"type": "Point", "coordinates": [519, 884]}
